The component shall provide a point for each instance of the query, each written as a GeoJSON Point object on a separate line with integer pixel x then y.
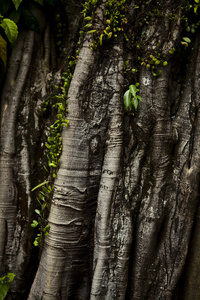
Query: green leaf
{"type": "Point", "coordinates": [197, 1]}
{"type": "Point", "coordinates": [133, 89]}
{"type": "Point", "coordinates": [4, 6]}
{"type": "Point", "coordinates": [91, 31]}
{"type": "Point", "coordinates": [135, 102]}
{"type": "Point", "coordinates": [87, 26]}
{"type": "Point", "coordinates": [45, 189]}
{"type": "Point", "coordinates": [36, 244]}
{"type": "Point", "coordinates": [42, 197]}
{"type": "Point", "coordinates": [138, 97]}
{"type": "Point", "coordinates": [184, 44]}
{"type": "Point", "coordinates": [10, 277]}
{"type": "Point", "coordinates": [196, 8]}
{"type": "Point", "coordinates": [5, 284]}
{"type": "Point", "coordinates": [15, 15]}
{"type": "Point", "coordinates": [187, 40]}
{"type": "Point", "coordinates": [34, 224]}
{"type": "Point", "coordinates": [127, 99]}
{"type": "Point", "coordinates": [37, 212]}
{"type": "Point", "coordinates": [47, 228]}
{"type": "Point", "coordinates": [17, 3]}
{"type": "Point", "coordinates": [43, 206]}
{"type": "Point", "coordinates": [87, 19]}
{"type": "Point", "coordinates": [10, 29]}
{"type": "Point", "coordinates": [39, 185]}
{"type": "Point", "coordinates": [4, 288]}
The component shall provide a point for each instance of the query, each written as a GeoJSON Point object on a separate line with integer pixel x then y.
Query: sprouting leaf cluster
{"type": "Point", "coordinates": [41, 221]}
{"type": "Point", "coordinates": [114, 20]}
{"type": "Point", "coordinates": [5, 282]}
{"type": "Point", "coordinates": [131, 97]}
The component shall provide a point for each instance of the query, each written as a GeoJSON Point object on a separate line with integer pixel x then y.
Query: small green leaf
{"type": "Point", "coordinates": [39, 185]}
{"type": "Point", "coordinates": [15, 16]}
{"type": "Point", "coordinates": [133, 89]}
{"type": "Point", "coordinates": [196, 8]}
{"type": "Point", "coordinates": [43, 206]}
{"type": "Point", "coordinates": [34, 224]}
{"type": "Point", "coordinates": [11, 277]}
{"type": "Point", "coordinates": [36, 244]}
{"type": "Point", "coordinates": [87, 19]}
{"type": "Point", "coordinates": [157, 62]}
{"type": "Point", "coordinates": [10, 29]}
{"type": "Point", "coordinates": [87, 26]}
{"type": "Point", "coordinates": [47, 228]}
{"type": "Point", "coordinates": [187, 40]}
{"type": "Point", "coordinates": [37, 212]}
{"type": "Point", "coordinates": [91, 31]}
{"type": "Point", "coordinates": [4, 288]}
{"type": "Point", "coordinates": [138, 97]}
{"type": "Point", "coordinates": [16, 3]}
{"type": "Point", "coordinates": [127, 99]}
{"type": "Point", "coordinates": [4, 6]}
{"type": "Point", "coordinates": [184, 44]}
{"type": "Point", "coordinates": [135, 102]}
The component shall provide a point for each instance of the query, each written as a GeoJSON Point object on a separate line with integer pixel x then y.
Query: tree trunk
{"type": "Point", "coordinates": [124, 214]}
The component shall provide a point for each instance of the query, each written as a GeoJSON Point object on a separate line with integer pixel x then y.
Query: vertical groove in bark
{"type": "Point", "coordinates": [105, 286]}
{"type": "Point", "coordinates": [166, 211]}
{"type": "Point", "coordinates": [190, 280]}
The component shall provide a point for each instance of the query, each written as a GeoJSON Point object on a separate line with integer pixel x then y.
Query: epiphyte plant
{"type": "Point", "coordinates": [132, 96]}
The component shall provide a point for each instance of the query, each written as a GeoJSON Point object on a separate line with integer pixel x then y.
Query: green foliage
{"type": "Point", "coordinates": [131, 97]}
{"type": "Point", "coordinates": [10, 29]}
{"type": "Point", "coordinates": [17, 3]}
{"type": "Point", "coordinates": [18, 10]}
{"type": "Point", "coordinates": [58, 102]}
{"type": "Point", "coordinates": [115, 19]}
{"type": "Point", "coordinates": [41, 222]}
{"type": "Point", "coordinates": [5, 282]}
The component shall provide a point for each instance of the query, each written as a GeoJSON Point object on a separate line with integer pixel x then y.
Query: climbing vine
{"type": "Point", "coordinates": [115, 21]}
{"type": "Point", "coordinates": [58, 102]}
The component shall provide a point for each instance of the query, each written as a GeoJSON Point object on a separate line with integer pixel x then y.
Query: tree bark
{"type": "Point", "coordinates": [124, 215]}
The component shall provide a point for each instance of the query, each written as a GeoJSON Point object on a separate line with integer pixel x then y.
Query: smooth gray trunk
{"type": "Point", "coordinates": [124, 215]}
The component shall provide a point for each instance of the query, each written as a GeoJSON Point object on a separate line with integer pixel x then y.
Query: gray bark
{"type": "Point", "coordinates": [124, 215]}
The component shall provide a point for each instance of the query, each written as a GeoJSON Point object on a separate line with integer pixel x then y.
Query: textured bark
{"type": "Point", "coordinates": [124, 216]}
{"type": "Point", "coordinates": [21, 98]}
